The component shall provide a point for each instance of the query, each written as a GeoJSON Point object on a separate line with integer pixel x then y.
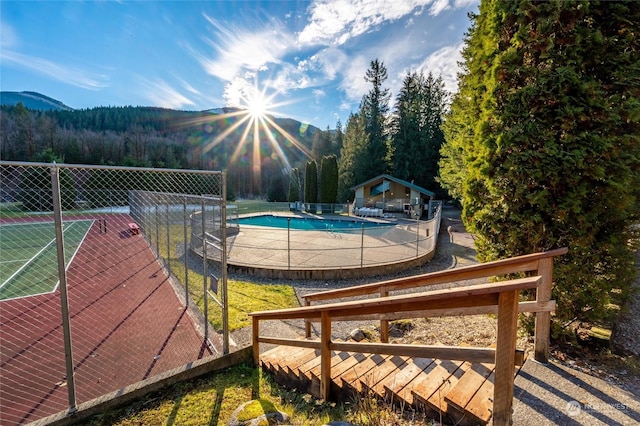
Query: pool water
{"type": "Point", "coordinates": [309, 224]}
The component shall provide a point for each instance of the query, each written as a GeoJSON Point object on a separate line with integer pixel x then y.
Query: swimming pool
{"type": "Point", "coordinates": [309, 224]}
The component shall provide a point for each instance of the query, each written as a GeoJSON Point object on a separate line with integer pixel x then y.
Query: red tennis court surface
{"type": "Point", "coordinates": [127, 324]}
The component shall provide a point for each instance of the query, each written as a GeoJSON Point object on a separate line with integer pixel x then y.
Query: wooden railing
{"type": "Point", "coordinates": [536, 263]}
{"type": "Point", "coordinates": [503, 295]}
{"type": "Point", "coordinates": [500, 297]}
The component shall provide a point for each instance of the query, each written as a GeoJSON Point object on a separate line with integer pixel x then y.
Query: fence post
{"type": "Point", "coordinates": [186, 253]}
{"type": "Point", "coordinates": [362, 246]}
{"type": "Point", "coordinates": [223, 234]}
{"type": "Point", "coordinates": [155, 206]}
{"type": "Point", "coordinates": [62, 276]}
{"type": "Point", "coordinates": [542, 330]}
{"type": "Point", "coordinates": [418, 237]}
{"type": "Point", "coordinates": [289, 243]}
{"type": "Point", "coordinates": [168, 240]}
{"type": "Point", "coordinates": [204, 274]}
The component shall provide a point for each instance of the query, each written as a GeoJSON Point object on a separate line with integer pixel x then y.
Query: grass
{"type": "Point", "coordinates": [211, 400]}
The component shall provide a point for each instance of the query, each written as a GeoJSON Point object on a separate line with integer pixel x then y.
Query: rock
{"type": "Point", "coordinates": [257, 412]}
{"type": "Point", "coordinates": [357, 335]}
{"type": "Point", "coordinates": [395, 332]}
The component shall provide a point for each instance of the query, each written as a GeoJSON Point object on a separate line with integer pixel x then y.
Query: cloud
{"type": "Point", "coordinates": [161, 94]}
{"type": "Point", "coordinates": [444, 63]}
{"type": "Point", "coordinates": [438, 7]}
{"type": "Point", "coordinates": [237, 48]}
{"type": "Point", "coordinates": [8, 36]}
{"type": "Point", "coordinates": [335, 22]}
{"type": "Point", "coordinates": [73, 76]}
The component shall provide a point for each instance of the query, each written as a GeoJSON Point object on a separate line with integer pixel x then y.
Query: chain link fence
{"type": "Point", "coordinates": [99, 283]}
{"type": "Point", "coordinates": [297, 242]}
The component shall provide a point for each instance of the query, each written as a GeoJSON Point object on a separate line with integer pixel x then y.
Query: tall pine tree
{"type": "Point", "coordinates": [375, 110]}
{"type": "Point", "coordinates": [549, 141]}
{"type": "Point", "coordinates": [351, 169]}
{"type": "Point", "coordinates": [416, 134]}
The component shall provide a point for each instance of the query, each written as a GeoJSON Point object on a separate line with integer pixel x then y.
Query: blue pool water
{"type": "Point", "coordinates": [309, 224]}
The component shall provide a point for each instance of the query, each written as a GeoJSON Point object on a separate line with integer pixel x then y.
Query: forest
{"type": "Point", "coordinates": [156, 137]}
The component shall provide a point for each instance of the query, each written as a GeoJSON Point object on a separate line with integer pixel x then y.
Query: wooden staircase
{"type": "Point", "coordinates": [469, 385]}
{"type": "Point", "coordinates": [459, 390]}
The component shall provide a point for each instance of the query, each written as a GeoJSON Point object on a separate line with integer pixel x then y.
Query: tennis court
{"type": "Point", "coordinates": [29, 261]}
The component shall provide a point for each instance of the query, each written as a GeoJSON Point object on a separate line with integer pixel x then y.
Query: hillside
{"type": "Point", "coordinates": [33, 100]}
{"type": "Point", "coordinates": [216, 139]}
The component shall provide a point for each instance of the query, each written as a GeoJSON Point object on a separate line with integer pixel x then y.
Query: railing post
{"type": "Point", "coordinates": [542, 331]}
{"type": "Point", "coordinates": [384, 324]}
{"type": "Point", "coordinates": [255, 332]}
{"type": "Point", "coordinates": [307, 323]}
{"type": "Point", "coordinates": [505, 357]}
{"type": "Point", "coordinates": [325, 355]}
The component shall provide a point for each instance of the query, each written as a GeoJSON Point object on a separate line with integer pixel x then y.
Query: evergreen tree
{"type": "Point", "coordinates": [351, 169]}
{"type": "Point", "coordinates": [416, 132]}
{"type": "Point", "coordinates": [322, 144]}
{"type": "Point", "coordinates": [338, 139]}
{"type": "Point", "coordinates": [549, 97]}
{"type": "Point", "coordinates": [375, 109]}
{"type": "Point", "coordinates": [406, 127]}
{"type": "Point", "coordinates": [294, 185]}
{"type": "Point", "coordinates": [311, 185]}
{"type": "Point", "coordinates": [276, 191]}
{"type": "Point", "coordinates": [328, 180]}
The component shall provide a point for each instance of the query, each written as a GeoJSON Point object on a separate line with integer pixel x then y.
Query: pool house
{"type": "Point", "coordinates": [388, 195]}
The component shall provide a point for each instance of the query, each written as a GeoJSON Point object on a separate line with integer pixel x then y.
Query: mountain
{"type": "Point", "coordinates": [33, 100]}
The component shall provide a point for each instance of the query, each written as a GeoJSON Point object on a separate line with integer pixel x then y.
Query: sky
{"type": "Point", "coordinates": [300, 59]}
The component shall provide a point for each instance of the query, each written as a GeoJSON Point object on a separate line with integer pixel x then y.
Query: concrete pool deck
{"type": "Point", "coordinates": [305, 254]}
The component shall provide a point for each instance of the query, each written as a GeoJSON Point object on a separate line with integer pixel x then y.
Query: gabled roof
{"type": "Point", "coordinates": [395, 179]}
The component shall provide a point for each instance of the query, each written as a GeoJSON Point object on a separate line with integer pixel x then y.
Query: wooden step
{"type": "Point", "coordinates": [462, 393]}
{"type": "Point", "coordinates": [272, 358]}
{"type": "Point", "coordinates": [437, 401]}
{"type": "Point", "coordinates": [403, 380]}
{"type": "Point", "coordinates": [481, 405]}
{"type": "Point", "coordinates": [293, 365]}
{"type": "Point", "coordinates": [372, 383]}
{"type": "Point", "coordinates": [434, 380]}
{"type": "Point", "coordinates": [350, 379]}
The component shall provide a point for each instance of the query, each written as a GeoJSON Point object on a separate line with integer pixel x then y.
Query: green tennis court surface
{"type": "Point", "coordinates": [29, 257]}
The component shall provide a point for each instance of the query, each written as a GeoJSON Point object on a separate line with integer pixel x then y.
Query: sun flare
{"type": "Point", "coordinates": [257, 106]}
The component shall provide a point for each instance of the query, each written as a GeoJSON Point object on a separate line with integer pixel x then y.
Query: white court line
{"type": "Point", "coordinates": [55, 287]}
{"type": "Point", "coordinates": [13, 261]}
{"type": "Point", "coordinates": [31, 260]}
